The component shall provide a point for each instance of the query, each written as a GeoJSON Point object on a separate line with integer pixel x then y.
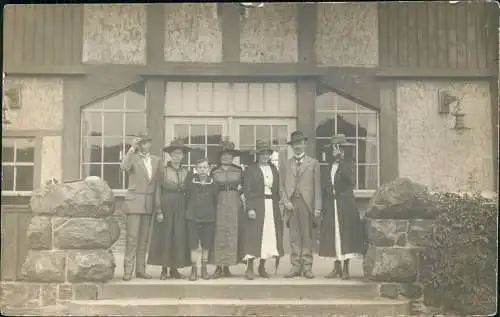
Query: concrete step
{"type": "Point", "coordinates": [234, 307]}
{"type": "Point", "coordinates": [235, 288]}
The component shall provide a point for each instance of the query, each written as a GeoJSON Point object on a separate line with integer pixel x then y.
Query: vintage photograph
{"type": "Point", "coordinates": [250, 159]}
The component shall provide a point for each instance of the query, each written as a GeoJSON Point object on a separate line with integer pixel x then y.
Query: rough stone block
{"type": "Point", "coordinates": [391, 264]}
{"type": "Point", "coordinates": [91, 266]}
{"type": "Point", "coordinates": [49, 294]}
{"type": "Point", "coordinates": [44, 266]}
{"type": "Point", "coordinates": [385, 232]}
{"type": "Point", "coordinates": [389, 290]}
{"type": "Point", "coordinates": [85, 233]}
{"type": "Point", "coordinates": [86, 291]}
{"type": "Point", "coordinates": [91, 197]}
{"type": "Point", "coordinates": [420, 232]}
{"type": "Point", "coordinates": [401, 199]}
{"type": "Point", "coordinates": [14, 294]}
{"type": "Point", "coordinates": [411, 291]}
{"type": "Point", "coordinates": [65, 292]}
{"type": "Point", "coordinates": [40, 233]}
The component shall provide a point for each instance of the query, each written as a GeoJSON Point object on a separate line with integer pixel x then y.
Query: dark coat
{"type": "Point", "coordinates": [351, 228]}
{"type": "Point", "coordinates": [202, 199]}
{"type": "Point", "coordinates": [252, 229]}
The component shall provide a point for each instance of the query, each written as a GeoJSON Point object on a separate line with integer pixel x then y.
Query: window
{"type": "Point", "coordinates": [18, 169]}
{"type": "Point", "coordinates": [276, 133]}
{"type": "Point", "coordinates": [335, 114]}
{"type": "Point", "coordinates": [108, 129]}
{"type": "Point", "coordinates": [204, 137]}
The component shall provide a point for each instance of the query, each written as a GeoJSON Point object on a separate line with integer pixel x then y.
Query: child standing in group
{"type": "Point", "coordinates": [202, 201]}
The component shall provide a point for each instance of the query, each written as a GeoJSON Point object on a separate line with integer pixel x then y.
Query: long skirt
{"type": "Point", "coordinates": [225, 250]}
{"type": "Point", "coordinates": [169, 245]}
{"type": "Point", "coordinates": [341, 231]}
{"type": "Point", "coordinates": [269, 244]}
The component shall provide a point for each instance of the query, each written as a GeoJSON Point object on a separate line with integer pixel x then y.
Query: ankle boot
{"type": "Point", "coordinates": [262, 269]}
{"type": "Point", "coordinates": [194, 273]}
{"type": "Point", "coordinates": [164, 273]}
{"type": "Point", "coordinates": [337, 270]}
{"type": "Point", "coordinates": [226, 271]}
{"type": "Point", "coordinates": [175, 274]}
{"type": "Point", "coordinates": [345, 270]}
{"type": "Point", "coordinates": [204, 272]}
{"type": "Point", "coordinates": [249, 272]}
{"type": "Point", "coordinates": [218, 272]}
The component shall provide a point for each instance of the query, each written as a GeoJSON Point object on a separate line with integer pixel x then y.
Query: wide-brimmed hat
{"type": "Point", "coordinates": [338, 139]}
{"type": "Point", "coordinates": [228, 147]}
{"type": "Point", "coordinates": [176, 144]}
{"type": "Point", "coordinates": [143, 136]}
{"type": "Point", "coordinates": [263, 146]}
{"type": "Point", "coordinates": [297, 136]}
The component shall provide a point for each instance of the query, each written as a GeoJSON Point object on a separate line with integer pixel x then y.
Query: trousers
{"type": "Point", "coordinates": [136, 243]}
{"type": "Point", "coordinates": [301, 235]}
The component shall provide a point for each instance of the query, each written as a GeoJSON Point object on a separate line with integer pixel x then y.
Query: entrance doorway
{"type": "Point", "coordinates": [206, 134]}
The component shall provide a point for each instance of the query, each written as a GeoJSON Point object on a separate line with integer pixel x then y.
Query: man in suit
{"type": "Point", "coordinates": [301, 196]}
{"type": "Point", "coordinates": [141, 200]}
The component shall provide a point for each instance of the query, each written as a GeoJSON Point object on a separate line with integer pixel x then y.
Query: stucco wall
{"type": "Point", "coordinates": [269, 34]}
{"type": "Point", "coordinates": [192, 33]}
{"type": "Point", "coordinates": [347, 34]}
{"type": "Point", "coordinates": [431, 151]}
{"type": "Point", "coordinates": [114, 34]}
{"type": "Point", "coordinates": [41, 104]}
{"type": "Point", "coordinates": [51, 158]}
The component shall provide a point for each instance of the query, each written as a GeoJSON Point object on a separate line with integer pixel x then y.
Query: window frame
{"type": "Point", "coordinates": [37, 138]}
{"type": "Point", "coordinates": [124, 136]}
{"type": "Point", "coordinates": [335, 111]}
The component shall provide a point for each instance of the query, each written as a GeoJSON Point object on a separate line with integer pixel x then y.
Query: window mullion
{"type": "Point", "coordinates": [102, 142]}
{"type": "Point", "coordinates": [14, 181]}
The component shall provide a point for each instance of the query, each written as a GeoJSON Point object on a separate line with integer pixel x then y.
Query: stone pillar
{"type": "Point", "coordinates": [399, 220]}
{"type": "Point", "coordinates": [70, 238]}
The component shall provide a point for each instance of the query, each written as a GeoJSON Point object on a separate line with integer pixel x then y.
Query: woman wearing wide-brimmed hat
{"type": "Point", "coordinates": [262, 228]}
{"type": "Point", "coordinates": [228, 177]}
{"type": "Point", "coordinates": [169, 246]}
{"type": "Point", "coordinates": [341, 232]}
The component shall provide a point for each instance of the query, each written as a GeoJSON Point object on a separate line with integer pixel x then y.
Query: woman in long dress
{"type": "Point", "coordinates": [262, 236]}
{"type": "Point", "coordinates": [169, 246]}
{"type": "Point", "coordinates": [341, 233]}
{"type": "Point", "coordinates": [228, 177]}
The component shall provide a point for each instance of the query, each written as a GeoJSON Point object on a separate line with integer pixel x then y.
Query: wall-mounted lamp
{"type": "Point", "coordinates": [445, 102]}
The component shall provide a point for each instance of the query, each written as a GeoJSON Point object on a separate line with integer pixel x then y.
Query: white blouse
{"type": "Point", "coordinates": [268, 178]}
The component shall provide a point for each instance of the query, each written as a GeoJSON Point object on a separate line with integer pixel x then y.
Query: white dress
{"type": "Point", "coordinates": [338, 242]}
{"type": "Point", "coordinates": [269, 246]}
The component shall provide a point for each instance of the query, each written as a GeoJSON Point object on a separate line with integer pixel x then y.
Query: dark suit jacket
{"type": "Point", "coordinates": [143, 193]}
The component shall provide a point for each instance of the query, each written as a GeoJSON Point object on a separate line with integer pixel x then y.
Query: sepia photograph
{"type": "Point", "coordinates": [319, 159]}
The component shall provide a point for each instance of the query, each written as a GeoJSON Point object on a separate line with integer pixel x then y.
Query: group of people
{"type": "Point", "coordinates": [235, 214]}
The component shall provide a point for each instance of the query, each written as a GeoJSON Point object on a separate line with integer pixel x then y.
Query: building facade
{"type": "Point", "coordinates": [81, 80]}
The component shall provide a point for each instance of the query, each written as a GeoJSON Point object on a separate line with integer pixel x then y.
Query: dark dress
{"type": "Point", "coordinates": [351, 231]}
{"type": "Point", "coordinates": [169, 246]}
{"type": "Point", "coordinates": [252, 229]}
{"type": "Point", "coordinates": [228, 215]}
{"type": "Point", "coordinates": [200, 213]}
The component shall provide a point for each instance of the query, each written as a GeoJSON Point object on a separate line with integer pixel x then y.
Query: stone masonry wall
{"type": "Point", "coordinates": [399, 220]}
{"type": "Point", "coordinates": [69, 237]}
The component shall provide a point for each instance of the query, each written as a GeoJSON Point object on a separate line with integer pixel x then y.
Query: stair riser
{"type": "Point", "coordinates": [241, 310]}
{"type": "Point", "coordinates": [240, 291]}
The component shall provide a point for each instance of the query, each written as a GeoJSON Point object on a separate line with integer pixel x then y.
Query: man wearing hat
{"type": "Point", "coordinates": [302, 199]}
{"type": "Point", "coordinates": [141, 201]}
{"type": "Point", "coordinates": [341, 234]}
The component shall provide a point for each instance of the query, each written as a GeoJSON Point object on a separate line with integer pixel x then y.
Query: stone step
{"type": "Point", "coordinates": [232, 288]}
{"type": "Point", "coordinates": [235, 307]}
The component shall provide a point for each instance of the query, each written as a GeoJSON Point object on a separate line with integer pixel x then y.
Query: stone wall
{"type": "Point", "coordinates": [399, 220]}
{"type": "Point", "coordinates": [69, 237]}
